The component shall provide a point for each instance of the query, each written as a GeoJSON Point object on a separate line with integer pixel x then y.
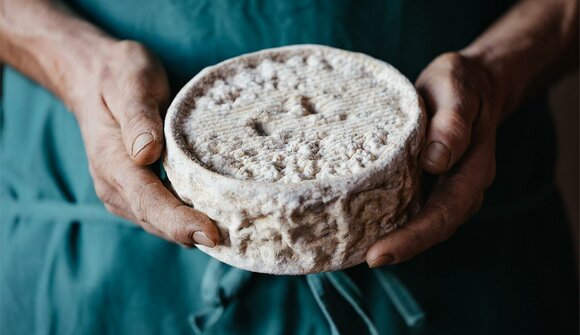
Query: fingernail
{"type": "Point", "coordinates": [381, 260]}
{"type": "Point", "coordinates": [140, 143]}
{"type": "Point", "coordinates": [438, 155]}
{"type": "Point", "coordinates": [201, 238]}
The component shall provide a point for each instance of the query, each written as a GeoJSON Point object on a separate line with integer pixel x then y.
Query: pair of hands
{"type": "Point", "coordinates": [120, 116]}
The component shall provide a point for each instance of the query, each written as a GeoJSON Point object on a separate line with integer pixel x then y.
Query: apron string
{"type": "Point", "coordinates": [328, 289]}
{"type": "Point", "coordinates": [401, 298]}
{"type": "Point", "coordinates": [334, 309]}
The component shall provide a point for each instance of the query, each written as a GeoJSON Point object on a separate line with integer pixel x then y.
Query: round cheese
{"type": "Point", "coordinates": [303, 155]}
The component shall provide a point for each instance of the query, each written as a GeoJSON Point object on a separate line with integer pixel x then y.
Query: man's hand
{"type": "Point", "coordinates": [460, 146]}
{"type": "Point", "coordinates": [116, 91]}
{"type": "Point", "coordinates": [118, 108]}
{"type": "Point", "coordinates": [467, 94]}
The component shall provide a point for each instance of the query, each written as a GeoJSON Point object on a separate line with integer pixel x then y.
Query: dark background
{"type": "Point", "coordinates": [564, 102]}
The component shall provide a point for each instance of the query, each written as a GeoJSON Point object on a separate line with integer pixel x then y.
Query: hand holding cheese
{"type": "Point", "coordinates": [116, 91]}
{"type": "Point", "coordinates": [460, 134]}
{"type": "Point", "coordinates": [123, 132]}
{"type": "Point", "coordinates": [303, 155]}
{"type": "Point", "coordinates": [468, 94]}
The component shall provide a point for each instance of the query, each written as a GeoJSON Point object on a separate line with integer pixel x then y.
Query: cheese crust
{"type": "Point", "coordinates": [303, 155]}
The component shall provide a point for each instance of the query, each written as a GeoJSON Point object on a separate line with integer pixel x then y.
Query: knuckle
{"type": "Point", "coordinates": [138, 201]}
{"type": "Point", "coordinates": [443, 222]}
{"type": "Point", "coordinates": [450, 65]}
{"type": "Point", "coordinates": [466, 102]}
{"type": "Point", "coordinates": [414, 240]}
{"type": "Point", "coordinates": [143, 104]}
{"type": "Point", "coordinates": [146, 207]}
{"type": "Point", "coordinates": [140, 207]}
{"type": "Point", "coordinates": [133, 126]}
{"type": "Point", "coordinates": [458, 127]}
{"type": "Point", "coordinates": [453, 59]}
{"type": "Point", "coordinates": [178, 232]}
{"type": "Point", "coordinates": [141, 215]}
{"type": "Point", "coordinates": [144, 76]}
{"type": "Point", "coordinates": [140, 116]}
{"type": "Point", "coordinates": [117, 178]}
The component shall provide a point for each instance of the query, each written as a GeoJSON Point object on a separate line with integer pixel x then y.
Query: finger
{"type": "Point", "coordinates": [453, 110]}
{"type": "Point", "coordinates": [121, 209]}
{"type": "Point", "coordinates": [141, 128]}
{"type": "Point", "coordinates": [447, 208]}
{"type": "Point", "coordinates": [113, 201]}
{"type": "Point", "coordinates": [134, 97]}
{"type": "Point", "coordinates": [115, 204]}
{"type": "Point", "coordinates": [112, 161]}
{"type": "Point", "coordinates": [151, 202]}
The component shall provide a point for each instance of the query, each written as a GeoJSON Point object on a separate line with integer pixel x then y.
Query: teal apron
{"type": "Point", "coordinates": [69, 267]}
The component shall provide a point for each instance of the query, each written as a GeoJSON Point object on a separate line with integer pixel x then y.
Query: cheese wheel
{"type": "Point", "coordinates": [303, 156]}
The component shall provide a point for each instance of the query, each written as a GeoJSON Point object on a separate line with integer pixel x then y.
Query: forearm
{"type": "Point", "coordinates": [532, 41]}
{"type": "Point", "coordinates": [48, 43]}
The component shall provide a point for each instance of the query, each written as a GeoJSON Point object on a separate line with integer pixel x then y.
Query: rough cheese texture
{"type": "Point", "coordinates": [303, 155]}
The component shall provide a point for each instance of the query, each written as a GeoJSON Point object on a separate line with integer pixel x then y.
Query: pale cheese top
{"type": "Point", "coordinates": [292, 117]}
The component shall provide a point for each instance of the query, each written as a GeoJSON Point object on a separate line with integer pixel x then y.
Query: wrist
{"type": "Point", "coordinates": [51, 45]}
{"type": "Point", "coordinates": [524, 48]}
{"type": "Point", "coordinates": [72, 57]}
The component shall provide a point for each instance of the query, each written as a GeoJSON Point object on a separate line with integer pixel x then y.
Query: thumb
{"type": "Point", "coordinates": [453, 107]}
{"type": "Point", "coordinates": [134, 88]}
{"type": "Point", "coordinates": [142, 129]}
{"type": "Point", "coordinates": [142, 132]}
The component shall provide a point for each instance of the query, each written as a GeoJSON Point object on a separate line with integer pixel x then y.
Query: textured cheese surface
{"type": "Point", "coordinates": [308, 116]}
{"type": "Point", "coordinates": [303, 156]}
